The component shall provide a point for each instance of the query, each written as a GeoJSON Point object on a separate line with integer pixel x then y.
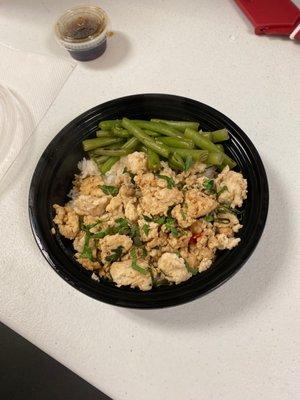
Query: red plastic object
{"type": "Point", "coordinates": [273, 17]}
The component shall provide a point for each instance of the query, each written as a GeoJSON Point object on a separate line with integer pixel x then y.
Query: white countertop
{"type": "Point", "coordinates": [240, 341]}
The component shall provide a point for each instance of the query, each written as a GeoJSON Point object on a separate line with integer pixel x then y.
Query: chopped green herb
{"type": "Point", "coordinates": [87, 227]}
{"type": "Point", "coordinates": [87, 251]}
{"type": "Point", "coordinates": [144, 251]}
{"type": "Point", "coordinates": [101, 234]}
{"type": "Point", "coordinates": [170, 181]}
{"type": "Point", "coordinates": [122, 226]}
{"type": "Point", "coordinates": [134, 263]}
{"type": "Point", "coordinates": [160, 220]}
{"type": "Point", "coordinates": [146, 229]}
{"type": "Point", "coordinates": [135, 235]}
{"type": "Point", "coordinates": [224, 208]}
{"type": "Point", "coordinates": [188, 163]}
{"type": "Point", "coordinates": [209, 218]}
{"type": "Point", "coordinates": [109, 190]}
{"type": "Point", "coordinates": [148, 219]}
{"type": "Point", "coordinates": [115, 255]}
{"type": "Point", "coordinates": [183, 214]}
{"type": "Point", "coordinates": [170, 227]}
{"type": "Point", "coordinates": [222, 220]}
{"type": "Point", "coordinates": [161, 282]}
{"type": "Point", "coordinates": [209, 186]}
{"type": "Point", "coordinates": [222, 189]}
{"type": "Point", "coordinates": [191, 270]}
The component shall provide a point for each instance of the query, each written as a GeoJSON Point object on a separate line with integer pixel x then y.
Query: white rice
{"type": "Point", "coordinates": [87, 168]}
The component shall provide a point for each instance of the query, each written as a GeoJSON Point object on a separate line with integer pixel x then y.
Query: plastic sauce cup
{"type": "Point", "coordinates": [82, 31]}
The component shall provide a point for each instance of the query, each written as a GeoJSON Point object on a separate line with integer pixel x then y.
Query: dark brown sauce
{"type": "Point", "coordinates": [83, 27]}
{"type": "Point", "coordinates": [89, 55]}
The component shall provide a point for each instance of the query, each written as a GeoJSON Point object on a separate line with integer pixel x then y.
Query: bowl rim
{"type": "Point", "coordinates": [189, 296]}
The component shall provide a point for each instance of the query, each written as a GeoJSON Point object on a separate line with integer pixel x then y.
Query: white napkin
{"type": "Point", "coordinates": [29, 83]}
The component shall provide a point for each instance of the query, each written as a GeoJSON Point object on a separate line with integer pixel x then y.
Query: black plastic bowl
{"type": "Point", "coordinates": [52, 180]}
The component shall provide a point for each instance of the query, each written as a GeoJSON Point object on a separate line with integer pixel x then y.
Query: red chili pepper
{"type": "Point", "coordinates": [195, 237]}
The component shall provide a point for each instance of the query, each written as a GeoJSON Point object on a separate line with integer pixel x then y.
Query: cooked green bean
{"type": "Point", "coordinates": [197, 155]}
{"type": "Point", "coordinates": [206, 144]}
{"type": "Point", "coordinates": [108, 124]}
{"type": "Point", "coordinates": [176, 161]}
{"type": "Point", "coordinates": [208, 135]}
{"type": "Point", "coordinates": [120, 132]}
{"type": "Point", "coordinates": [179, 125]}
{"type": "Point", "coordinates": [220, 147]}
{"type": "Point", "coordinates": [100, 159]}
{"type": "Point", "coordinates": [114, 146]}
{"type": "Point", "coordinates": [216, 136]}
{"type": "Point", "coordinates": [91, 144]}
{"type": "Point", "coordinates": [157, 127]}
{"type": "Point", "coordinates": [153, 160]}
{"type": "Point", "coordinates": [215, 158]}
{"type": "Point", "coordinates": [108, 164]}
{"type": "Point", "coordinates": [152, 133]}
{"type": "Point", "coordinates": [112, 153]}
{"type": "Point", "coordinates": [220, 136]}
{"type": "Point", "coordinates": [131, 144]}
{"type": "Point", "coordinates": [157, 137]}
{"type": "Point", "coordinates": [103, 134]}
{"type": "Point", "coordinates": [177, 142]}
{"type": "Point", "coordinates": [159, 148]}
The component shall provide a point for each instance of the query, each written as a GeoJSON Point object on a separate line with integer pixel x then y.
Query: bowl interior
{"type": "Point", "coordinates": [55, 171]}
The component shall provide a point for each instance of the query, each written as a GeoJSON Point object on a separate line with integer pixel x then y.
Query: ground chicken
{"type": "Point", "coordinates": [236, 187]}
{"type": "Point", "coordinates": [149, 230]}
{"type": "Point", "coordinates": [158, 242]}
{"type": "Point", "coordinates": [174, 226]}
{"type": "Point", "coordinates": [136, 163]}
{"type": "Point", "coordinates": [198, 204]}
{"type": "Point", "coordinates": [183, 218]}
{"type": "Point", "coordinates": [87, 264]}
{"type": "Point", "coordinates": [173, 267]}
{"type": "Point", "coordinates": [78, 243]}
{"type": "Point", "coordinates": [156, 197]}
{"type": "Point", "coordinates": [123, 274]}
{"type": "Point", "coordinates": [228, 224]}
{"type": "Point", "coordinates": [110, 243]}
{"type": "Point", "coordinates": [90, 186]}
{"type": "Point", "coordinates": [223, 242]}
{"type": "Point", "coordinates": [130, 210]}
{"type": "Point", "coordinates": [115, 207]}
{"type": "Point", "coordinates": [67, 221]}
{"type": "Point", "coordinates": [90, 205]}
{"type": "Point", "coordinates": [180, 241]}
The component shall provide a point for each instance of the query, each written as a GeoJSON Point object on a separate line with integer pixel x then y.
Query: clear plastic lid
{"type": "Point", "coordinates": [15, 123]}
{"type": "Point", "coordinates": [82, 28]}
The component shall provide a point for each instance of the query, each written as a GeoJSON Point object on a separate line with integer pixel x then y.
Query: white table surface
{"type": "Point", "coordinates": [242, 340]}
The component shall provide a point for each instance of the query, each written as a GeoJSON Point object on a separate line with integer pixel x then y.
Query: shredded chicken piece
{"type": "Point", "coordinates": [110, 243]}
{"type": "Point", "coordinates": [90, 205]}
{"type": "Point", "coordinates": [235, 187]}
{"type": "Point", "coordinates": [90, 186]}
{"type": "Point", "coordinates": [198, 203]}
{"type": "Point", "coordinates": [67, 221]}
{"type": "Point", "coordinates": [173, 268]}
{"type": "Point", "coordinates": [123, 274]}
{"type": "Point", "coordinates": [88, 264]}
{"type": "Point", "coordinates": [136, 163]}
